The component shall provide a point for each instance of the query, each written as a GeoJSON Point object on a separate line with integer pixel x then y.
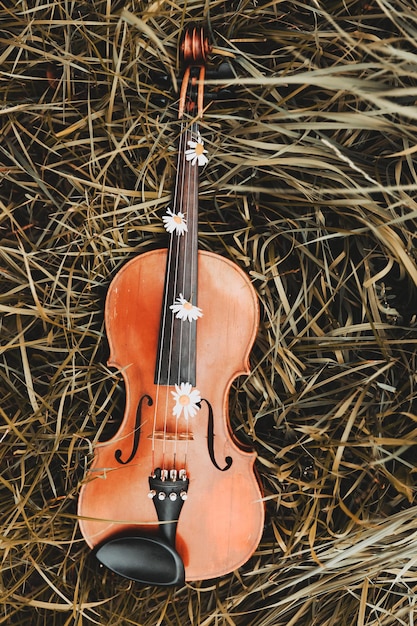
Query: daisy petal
{"type": "Point", "coordinates": [175, 222]}
{"type": "Point", "coordinates": [186, 400]}
{"type": "Point", "coordinates": [196, 152]}
{"type": "Point", "coordinates": [185, 310]}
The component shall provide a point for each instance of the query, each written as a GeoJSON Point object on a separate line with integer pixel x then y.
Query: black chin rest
{"type": "Point", "coordinates": [147, 559]}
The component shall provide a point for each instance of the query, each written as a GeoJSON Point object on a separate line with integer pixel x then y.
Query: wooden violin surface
{"type": "Point", "coordinates": [221, 519]}
{"type": "Point", "coordinates": [173, 496]}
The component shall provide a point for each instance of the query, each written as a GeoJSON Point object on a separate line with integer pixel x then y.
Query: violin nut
{"type": "Point", "coordinates": [183, 495]}
{"type": "Point", "coordinates": [151, 494]}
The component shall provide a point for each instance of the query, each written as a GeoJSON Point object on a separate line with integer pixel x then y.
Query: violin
{"type": "Point", "coordinates": [172, 496]}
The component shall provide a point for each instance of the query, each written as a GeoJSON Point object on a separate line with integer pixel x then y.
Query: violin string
{"type": "Point", "coordinates": [160, 356]}
{"type": "Point", "coordinates": [181, 202]}
{"type": "Point", "coordinates": [165, 319]}
{"type": "Point", "coordinates": [188, 279]}
{"type": "Point", "coordinates": [184, 288]}
{"type": "Point", "coordinates": [180, 205]}
{"type": "Point", "coordinates": [180, 289]}
{"type": "Point", "coordinates": [187, 330]}
{"type": "Point", "coordinates": [185, 206]}
{"type": "Point", "coordinates": [187, 288]}
{"type": "Point", "coordinates": [178, 199]}
{"type": "Point", "coordinates": [194, 273]}
{"type": "Point", "coordinates": [191, 207]}
{"type": "Point", "coordinates": [193, 296]}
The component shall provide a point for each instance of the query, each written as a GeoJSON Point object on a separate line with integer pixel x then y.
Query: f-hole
{"type": "Point", "coordinates": [210, 440]}
{"type": "Point", "coordinates": [118, 453]}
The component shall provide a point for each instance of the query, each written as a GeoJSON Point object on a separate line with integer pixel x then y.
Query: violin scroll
{"type": "Point", "coordinates": [195, 47]}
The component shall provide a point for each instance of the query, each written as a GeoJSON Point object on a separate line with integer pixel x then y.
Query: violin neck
{"type": "Point", "coordinates": [185, 200]}
{"type": "Point", "coordinates": [177, 338]}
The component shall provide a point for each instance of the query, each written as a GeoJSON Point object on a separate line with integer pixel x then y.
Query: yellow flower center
{"type": "Point", "coordinates": [177, 219]}
{"type": "Point", "coordinates": [187, 306]}
{"type": "Point", "coordinates": [184, 400]}
{"type": "Point", "coordinates": [199, 149]}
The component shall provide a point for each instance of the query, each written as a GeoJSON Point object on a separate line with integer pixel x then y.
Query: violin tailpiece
{"type": "Point", "coordinates": [168, 492]}
{"type": "Point", "coordinates": [152, 558]}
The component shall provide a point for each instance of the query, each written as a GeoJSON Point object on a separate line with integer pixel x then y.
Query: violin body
{"type": "Point", "coordinates": [221, 520]}
{"type": "Point", "coordinates": [172, 496]}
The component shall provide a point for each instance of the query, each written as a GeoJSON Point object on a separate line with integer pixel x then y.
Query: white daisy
{"type": "Point", "coordinates": [185, 310]}
{"type": "Point", "coordinates": [186, 400]}
{"type": "Point", "coordinates": [196, 152]}
{"type": "Point", "coordinates": [175, 222]}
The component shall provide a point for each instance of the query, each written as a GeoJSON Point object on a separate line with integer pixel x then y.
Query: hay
{"type": "Point", "coordinates": [310, 188]}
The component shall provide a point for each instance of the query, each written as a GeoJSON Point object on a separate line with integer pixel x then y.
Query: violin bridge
{"type": "Point", "coordinates": [163, 435]}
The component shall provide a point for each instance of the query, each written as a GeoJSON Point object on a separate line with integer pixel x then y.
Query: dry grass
{"type": "Point", "coordinates": [310, 188]}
